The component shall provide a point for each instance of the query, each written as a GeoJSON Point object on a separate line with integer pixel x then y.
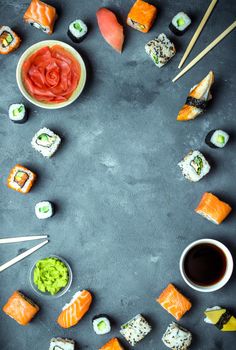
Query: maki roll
{"type": "Point", "coordinates": [17, 113]}
{"type": "Point", "coordinates": [176, 337]}
{"type": "Point", "coordinates": [101, 324]}
{"type": "Point", "coordinates": [221, 318]}
{"type": "Point", "coordinates": [46, 142]}
{"type": "Point", "coordinates": [160, 50]}
{"type": "Point", "coordinates": [180, 23]}
{"type": "Point", "coordinates": [44, 210]}
{"type": "Point", "coordinates": [113, 344]}
{"type": "Point", "coordinates": [194, 166]}
{"type": "Point", "coordinates": [77, 30]}
{"type": "Point", "coordinates": [61, 344]}
{"type": "Point", "coordinates": [142, 16]}
{"type": "Point", "coordinates": [135, 330]}
{"type": "Point", "coordinates": [9, 40]}
{"type": "Point", "coordinates": [217, 139]}
{"type": "Point", "coordinates": [21, 179]}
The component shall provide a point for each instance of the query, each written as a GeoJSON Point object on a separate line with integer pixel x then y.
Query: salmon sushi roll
{"type": "Point", "coordinates": [213, 209]}
{"type": "Point", "coordinates": [174, 302]}
{"type": "Point", "coordinates": [9, 40]}
{"type": "Point", "coordinates": [41, 16]}
{"type": "Point", "coordinates": [113, 344]}
{"type": "Point", "coordinates": [21, 179]}
{"type": "Point", "coordinates": [20, 308]}
{"type": "Point", "coordinates": [142, 16]}
{"type": "Point", "coordinates": [73, 312]}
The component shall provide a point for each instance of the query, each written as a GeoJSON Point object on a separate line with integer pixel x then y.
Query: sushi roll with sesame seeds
{"type": "Point", "coordinates": [160, 50]}
{"type": "Point", "coordinates": [176, 337]}
{"type": "Point", "coordinates": [135, 330]}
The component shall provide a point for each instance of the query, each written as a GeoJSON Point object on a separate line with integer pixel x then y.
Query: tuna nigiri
{"type": "Point", "coordinates": [73, 312]}
{"type": "Point", "coordinates": [20, 308]}
{"type": "Point", "coordinates": [111, 30]}
{"type": "Point", "coordinates": [213, 209]}
{"type": "Point", "coordinates": [113, 344]}
{"type": "Point", "coordinates": [174, 302]}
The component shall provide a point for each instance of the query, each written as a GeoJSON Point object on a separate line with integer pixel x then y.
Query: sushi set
{"type": "Point", "coordinates": [51, 74]}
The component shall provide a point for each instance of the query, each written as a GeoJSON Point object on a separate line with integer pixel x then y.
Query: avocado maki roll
{"type": "Point", "coordinates": [44, 210]}
{"type": "Point", "coordinates": [217, 139]}
{"type": "Point", "coordinates": [77, 30]}
{"type": "Point", "coordinates": [101, 324]}
{"type": "Point", "coordinates": [17, 113]}
{"type": "Point", "coordinates": [180, 23]}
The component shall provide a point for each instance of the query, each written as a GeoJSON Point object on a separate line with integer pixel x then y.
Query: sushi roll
{"type": "Point", "coordinates": [135, 330]}
{"type": "Point", "coordinates": [101, 324]}
{"type": "Point", "coordinates": [46, 142]}
{"type": "Point", "coordinates": [160, 49]}
{"type": "Point", "coordinates": [176, 337]}
{"type": "Point", "coordinates": [217, 139]}
{"type": "Point", "coordinates": [20, 308]}
{"type": "Point", "coordinates": [77, 30]}
{"type": "Point", "coordinates": [194, 166]}
{"type": "Point", "coordinates": [61, 344]}
{"type": "Point", "coordinates": [221, 318]}
{"type": "Point", "coordinates": [142, 16]}
{"type": "Point", "coordinates": [17, 113]}
{"type": "Point", "coordinates": [21, 179]}
{"type": "Point", "coordinates": [9, 40]}
{"type": "Point", "coordinates": [180, 23]}
{"type": "Point", "coordinates": [41, 16]}
{"type": "Point", "coordinates": [44, 210]}
{"type": "Point", "coordinates": [113, 344]}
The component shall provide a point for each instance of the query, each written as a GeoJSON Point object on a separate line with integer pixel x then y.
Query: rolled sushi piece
{"type": "Point", "coordinates": [77, 30]}
{"type": "Point", "coordinates": [9, 40]}
{"type": "Point", "coordinates": [135, 330]}
{"type": "Point", "coordinates": [217, 139]}
{"type": "Point", "coordinates": [44, 210]}
{"type": "Point", "coordinates": [101, 324]}
{"type": "Point", "coordinates": [46, 142]}
{"type": "Point", "coordinates": [176, 337]}
{"type": "Point", "coordinates": [221, 318]}
{"type": "Point", "coordinates": [61, 344]}
{"type": "Point", "coordinates": [160, 50]}
{"type": "Point", "coordinates": [180, 23]}
{"type": "Point", "coordinates": [194, 166]}
{"type": "Point", "coordinates": [17, 113]}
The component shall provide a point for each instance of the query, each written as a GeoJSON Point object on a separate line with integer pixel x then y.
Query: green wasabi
{"type": "Point", "coordinates": [51, 275]}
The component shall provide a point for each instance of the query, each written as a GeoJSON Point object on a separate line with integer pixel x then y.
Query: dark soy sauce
{"type": "Point", "coordinates": [205, 264]}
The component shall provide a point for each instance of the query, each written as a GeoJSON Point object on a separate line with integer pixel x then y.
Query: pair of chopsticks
{"type": "Point", "coordinates": [195, 37]}
{"type": "Point", "coordinates": [26, 253]}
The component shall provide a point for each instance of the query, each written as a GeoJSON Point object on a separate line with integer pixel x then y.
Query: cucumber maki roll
{"type": "Point", "coordinates": [180, 23]}
{"type": "Point", "coordinates": [101, 324]}
{"type": "Point", "coordinates": [217, 139]}
{"type": "Point", "coordinates": [77, 30]}
{"type": "Point", "coordinates": [17, 113]}
{"type": "Point", "coordinates": [44, 210]}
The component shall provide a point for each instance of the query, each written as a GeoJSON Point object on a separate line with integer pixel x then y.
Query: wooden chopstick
{"type": "Point", "coordinates": [206, 50]}
{"type": "Point", "coordinates": [22, 256]}
{"type": "Point", "coordinates": [198, 32]}
{"type": "Point", "coordinates": [21, 239]}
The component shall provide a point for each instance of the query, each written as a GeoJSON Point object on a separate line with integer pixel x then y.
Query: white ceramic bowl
{"type": "Point", "coordinates": [36, 47]}
{"type": "Point", "coordinates": [228, 272]}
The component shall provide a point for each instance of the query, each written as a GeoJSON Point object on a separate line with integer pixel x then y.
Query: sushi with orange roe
{"type": "Point", "coordinates": [142, 16]}
{"type": "Point", "coordinates": [41, 16]}
{"type": "Point", "coordinates": [9, 40]}
{"type": "Point", "coordinates": [113, 344]}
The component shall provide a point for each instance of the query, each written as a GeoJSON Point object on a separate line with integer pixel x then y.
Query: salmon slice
{"type": "Point", "coordinates": [212, 208]}
{"type": "Point", "coordinates": [20, 308]}
{"type": "Point", "coordinates": [113, 344]}
{"type": "Point", "coordinates": [201, 93]}
{"type": "Point", "coordinates": [111, 30]}
{"type": "Point", "coordinates": [75, 310]}
{"type": "Point", "coordinates": [174, 302]}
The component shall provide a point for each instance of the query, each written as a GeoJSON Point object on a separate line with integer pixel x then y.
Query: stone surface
{"type": "Point", "coordinates": [124, 211]}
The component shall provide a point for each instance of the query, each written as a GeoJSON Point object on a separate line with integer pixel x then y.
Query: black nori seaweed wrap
{"type": "Point", "coordinates": [198, 103]}
{"type": "Point", "coordinates": [176, 31]}
{"type": "Point", "coordinates": [208, 139]}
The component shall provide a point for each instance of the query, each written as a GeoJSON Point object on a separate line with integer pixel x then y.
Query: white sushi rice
{"type": "Point", "coordinates": [188, 166]}
{"type": "Point", "coordinates": [62, 344]}
{"type": "Point", "coordinates": [101, 325]}
{"type": "Point", "coordinates": [76, 295]}
{"type": "Point", "coordinates": [44, 210]}
{"type": "Point", "coordinates": [19, 115]}
{"type": "Point", "coordinates": [46, 148]}
{"type": "Point", "coordinates": [219, 133]}
{"type": "Point", "coordinates": [181, 16]}
{"type": "Point", "coordinates": [38, 26]}
{"type": "Point", "coordinates": [160, 49]}
{"type": "Point", "coordinates": [15, 185]}
{"type": "Point", "coordinates": [78, 33]}
{"type": "Point", "coordinates": [206, 319]}
{"type": "Point", "coordinates": [135, 330]}
{"type": "Point", "coordinates": [176, 337]}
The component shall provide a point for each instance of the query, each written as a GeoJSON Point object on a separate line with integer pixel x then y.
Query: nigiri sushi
{"type": "Point", "coordinates": [174, 302]}
{"type": "Point", "coordinates": [212, 208]}
{"type": "Point", "coordinates": [113, 344]}
{"type": "Point", "coordinates": [111, 30]}
{"type": "Point", "coordinates": [73, 312]}
{"type": "Point", "coordinates": [9, 40]}
{"type": "Point", "coordinates": [20, 308]}
{"type": "Point", "coordinates": [221, 318]}
{"type": "Point", "coordinates": [197, 99]}
{"type": "Point", "coordinates": [41, 16]}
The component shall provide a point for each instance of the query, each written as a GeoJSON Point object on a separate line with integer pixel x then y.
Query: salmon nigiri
{"type": "Point", "coordinates": [111, 30]}
{"type": "Point", "coordinates": [113, 344]}
{"type": "Point", "coordinates": [73, 312]}
{"type": "Point", "coordinates": [213, 209]}
{"type": "Point", "coordinates": [174, 302]}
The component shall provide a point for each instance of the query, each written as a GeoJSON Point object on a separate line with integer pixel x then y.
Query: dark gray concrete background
{"type": "Point", "coordinates": [124, 212]}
